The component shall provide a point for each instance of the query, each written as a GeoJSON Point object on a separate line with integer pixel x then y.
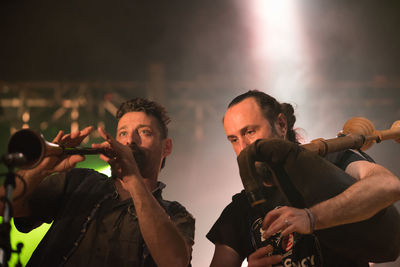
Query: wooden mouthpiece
{"type": "Point", "coordinates": [361, 126]}
{"type": "Point", "coordinates": [357, 133]}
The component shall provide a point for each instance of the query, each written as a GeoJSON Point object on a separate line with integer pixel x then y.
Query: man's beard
{"type": "Point", "coordinates": [265, 172]}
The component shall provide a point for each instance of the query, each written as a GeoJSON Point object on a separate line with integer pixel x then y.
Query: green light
{"type": "Point", "coordinates": [105, 170]}
{"type": "Point", "coordinates": [30, 241]}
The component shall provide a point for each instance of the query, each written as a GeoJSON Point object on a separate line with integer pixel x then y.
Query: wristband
{"type": "Point", "coordinates": [311, 218]}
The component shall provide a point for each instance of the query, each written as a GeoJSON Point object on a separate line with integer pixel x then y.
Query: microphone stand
{"type": "Point", "coordinates": [11, 161]}
{"type": "Point", "coordinates": [5, 227]}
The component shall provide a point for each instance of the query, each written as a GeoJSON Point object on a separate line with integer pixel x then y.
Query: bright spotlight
{"type": "Point", "coordinates": [277, 45]}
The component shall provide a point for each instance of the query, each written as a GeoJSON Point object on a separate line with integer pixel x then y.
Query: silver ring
{"type": "Point", "coordinates": [287, 222]}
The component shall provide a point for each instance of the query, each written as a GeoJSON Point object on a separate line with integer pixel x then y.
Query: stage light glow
{"type": "Point", "coordinates": [30, 241]}
{"type": "Point", "coordinates": [26, 116]}
{"type": "Point", "coordinates": [105, 170]}
{"type": "Point", "coordinates": [277, 47]}
{"type": "Point", "coordinates": [276, 29]}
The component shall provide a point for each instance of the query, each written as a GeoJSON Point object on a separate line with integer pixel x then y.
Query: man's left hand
{"type": "Point", "coordinates": [123, 164]}
{"type": "Point", "coordinates": [287, 220]}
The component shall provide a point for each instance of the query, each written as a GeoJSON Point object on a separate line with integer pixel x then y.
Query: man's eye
{"type": "Point", "coordinates": [122, 134]}
{"type": "Point", "coordinates": [145, 131]}
{"type": "Point", "coordinates": [233, 140]}
{"type": "Point", "coordinates": [250, 132]}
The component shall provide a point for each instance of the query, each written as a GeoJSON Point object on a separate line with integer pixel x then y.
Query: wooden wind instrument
{"type": "Point", "coordinates": [357, 133]}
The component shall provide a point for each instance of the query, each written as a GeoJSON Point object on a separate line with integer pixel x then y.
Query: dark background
{"type": "Point", "coordinates": [114, 40]}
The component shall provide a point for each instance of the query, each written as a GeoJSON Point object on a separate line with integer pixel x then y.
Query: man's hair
{"type": "Point", "coordinates": [150, 108]}
{"type": "Point", "coordinates": [271, 108]}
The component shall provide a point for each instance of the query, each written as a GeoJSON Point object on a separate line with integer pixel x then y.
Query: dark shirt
{"type": "Point", "coordinates": [233, 227]}
{"type": "Point", "coordinates": [91, 225]}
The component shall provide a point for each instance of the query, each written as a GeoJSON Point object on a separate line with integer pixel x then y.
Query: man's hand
{"type": "Point", "coordinates": [261, 257]}
{"type": "Point", "coordinates": [287, 220]}
{"type": "Point", "coordinates": [49, 165]}
{"type": "Point", "coordinates": [123, 164]}
{"type": "Point", "coordinates": [63, 163]}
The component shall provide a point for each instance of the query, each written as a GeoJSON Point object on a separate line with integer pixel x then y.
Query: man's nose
{"type": "Point", "coordinates": [133, 138]}
{"type": "Point", "coordinates": [243, 143]}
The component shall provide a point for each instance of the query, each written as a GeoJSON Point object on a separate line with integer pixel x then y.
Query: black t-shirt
{"type": "Point", "coordinates": [233, 227]}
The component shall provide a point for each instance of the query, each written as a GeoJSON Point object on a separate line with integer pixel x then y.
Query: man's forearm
{"type": "Point", "coordinates": [360, 201]}
{"type": "Point", "coordinates": [166, 244]}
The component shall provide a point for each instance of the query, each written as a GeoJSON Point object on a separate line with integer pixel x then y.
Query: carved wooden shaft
{"type": "Point", "coordinates": [357, 133]}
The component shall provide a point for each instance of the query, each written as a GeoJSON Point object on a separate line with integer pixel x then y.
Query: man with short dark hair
{"type": "Point", "coordinates": [255, 115]}
{"type": "Point", "coordinates": [101, 221]}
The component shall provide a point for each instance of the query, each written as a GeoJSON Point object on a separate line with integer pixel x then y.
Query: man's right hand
{"type": "Point", "coordinates": [61, 163]}
{"type": "Point", "coordinates": [49, 165]}
{"type": "Point", "coordinates": [261, 258]}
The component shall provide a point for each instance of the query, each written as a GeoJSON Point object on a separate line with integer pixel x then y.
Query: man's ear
{"type": "Point", "coordinates": [281, 125]}
{"type": "Point", "coordinates": [167, 147]}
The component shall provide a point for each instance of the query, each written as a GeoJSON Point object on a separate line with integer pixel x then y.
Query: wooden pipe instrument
{"type": "Point", "coordinates": [357, 133]}
{"type": "Point", "coordinates": [27, 148]}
